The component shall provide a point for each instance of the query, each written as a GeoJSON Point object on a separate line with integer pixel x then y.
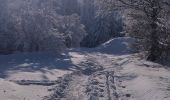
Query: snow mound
{"type": "Point", "coordinates": [117, 46]}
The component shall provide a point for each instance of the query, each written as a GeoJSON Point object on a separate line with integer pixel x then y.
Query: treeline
{"type": "Point", "coordinates": [54, 25]}
{"type": "Point", "coordinates": [37, 25]}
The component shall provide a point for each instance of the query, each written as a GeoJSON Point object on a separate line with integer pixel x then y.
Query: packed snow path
{"type": "Point", "coordinates": [91, 81]}
{"type": "Point", "coordinates": [83, 74]}
{"type": "Point", "coordinates": [109, 77]}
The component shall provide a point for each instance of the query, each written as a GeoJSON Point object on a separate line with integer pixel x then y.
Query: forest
{"type": "Point", "coordinates": [85, 49]}
{"type": "Point", "coordinates": [41, 25]}
{"type": "Point", "coordinates": [54, 25]}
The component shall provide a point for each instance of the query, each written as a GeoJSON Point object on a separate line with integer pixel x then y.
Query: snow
{"type": "Point", "coordinates": [147, 82]}
{"type": "Point", "coordinates": [117, 46]}
{"type": "Point", "coordinates": [108, 71]}
{"type": "Point", "coordinates": [12, 91]}
{"type": "Point", "coordinates": [29, 67]}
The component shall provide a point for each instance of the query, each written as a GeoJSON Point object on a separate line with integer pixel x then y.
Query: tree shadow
{"type": "Point", "coordinates": [32, 62]}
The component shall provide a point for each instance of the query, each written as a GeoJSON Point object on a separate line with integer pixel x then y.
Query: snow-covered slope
{"type": "Point", "coordinates": [117, 46]}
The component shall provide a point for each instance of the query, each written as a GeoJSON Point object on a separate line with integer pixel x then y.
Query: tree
{"type": "Point", "coordinates": [6, 40]}
{"type": "Point", "coordinates": [72, 30]}
{"type": "Point", "coordinates": [36, 25]}
{"type": "Point", "coordinates": [69, 7]}
{"type": "Point", "coordinates": [146, 22]}
{"type": "Point", "coordinates": [88, 15]}
{"type": "Point", "coordinates": [100, 24]}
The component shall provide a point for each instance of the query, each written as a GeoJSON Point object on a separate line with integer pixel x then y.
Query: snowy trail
{"type": "Point", "coordinates": [92, 80]}
{"type": "Point", "coordinates": [97, 76]}
{"type": "Point", "coordinates": [121, 78]}
{"type": "Point", "coordinates": [82, 75]}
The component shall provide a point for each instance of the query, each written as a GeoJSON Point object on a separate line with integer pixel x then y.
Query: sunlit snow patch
{"type": "Point", "coordinates": [116, 46]}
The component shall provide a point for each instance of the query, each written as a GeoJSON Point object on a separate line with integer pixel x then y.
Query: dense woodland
{"type": "Point", "coordinates": [45, 25]}
{"type": "Point", "coordinates": [55, 25]}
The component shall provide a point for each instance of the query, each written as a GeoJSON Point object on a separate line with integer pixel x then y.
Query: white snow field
{"type": "Point", "coordinates": [108, 72]}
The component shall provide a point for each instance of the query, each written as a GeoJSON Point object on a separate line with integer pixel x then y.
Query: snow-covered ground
{"type": "Point", "coordinates": [108, 72]}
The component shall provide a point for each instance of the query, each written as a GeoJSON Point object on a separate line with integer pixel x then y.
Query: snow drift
{"type": "Point", "coordinates": [116, 46]}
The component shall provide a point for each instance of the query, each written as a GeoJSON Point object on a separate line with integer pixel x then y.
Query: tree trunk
{"type": "Point", "coordinates": [154, 52]}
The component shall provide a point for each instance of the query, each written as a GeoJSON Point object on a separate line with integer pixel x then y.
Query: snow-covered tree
{"type": "Point", "coordinates": [72, 30]}
{"type": "Point", "coordinates": [35, 25]}
{"type": "Point", "coordinates": [69, 7]}
{"type": "Point", "coordinates": [146, 22]}
{"type": "Point", "coordinates": [100, 23]}
{"type": "Point", "coordinates": [7, 39]}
